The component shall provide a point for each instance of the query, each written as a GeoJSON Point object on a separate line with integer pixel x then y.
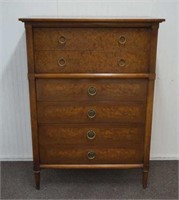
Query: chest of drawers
{"type": "Point", "coordinates": [91, 84]}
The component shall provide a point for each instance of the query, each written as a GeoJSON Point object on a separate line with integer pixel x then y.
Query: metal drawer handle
{"type": "Point", "coordinates": [122, 63]}
{"type": "Point", "coordinates": [91, 135]}
{"type": "Point", "coordinates": [122, 40]}
{"type": "Point", "coordinates": [92, 91]}
{"type": "Point", "coordinates": [62, 40]}
{"type": "Point", "coordinates": [61, 62]}
{"type": "Point", "coordinates": [91, 113]}
{"type": "Point", "coordinates": [91, 155]}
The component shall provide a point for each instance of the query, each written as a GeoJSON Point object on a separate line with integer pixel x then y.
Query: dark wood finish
{"type": "Point", "coordinates": [37, 179]}
{"type": "Point", "coordinates": [145, 177]}
{"type": "Point", "coordinates": [133, 20]}
{"type": "Point", "coordinates": [90, 24]}
{"type": "Point", "coordinates": [65, 58]}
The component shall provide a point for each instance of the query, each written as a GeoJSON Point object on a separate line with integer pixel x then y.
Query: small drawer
{"type": "Point", "coordinates": [92, 39]}
{"type": "Point", "coordinates": [91, 89]}
{"type": "Point", "coordinates": [91, 112]}
{"type": "Point", "coordinates": [96, 155]}
{"type": "Point", "coordinates": [91, 62]}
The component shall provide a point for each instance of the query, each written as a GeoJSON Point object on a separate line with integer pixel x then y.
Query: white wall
{"type": "Point", "coordinates": [177, 110]}
{"type": "Point", "coordinates": [15, 134]}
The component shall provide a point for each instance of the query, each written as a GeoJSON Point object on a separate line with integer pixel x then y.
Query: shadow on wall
{"type": "Point", "coordinates": [16, 116]}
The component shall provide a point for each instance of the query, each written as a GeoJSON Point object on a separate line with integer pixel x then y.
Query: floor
{"type": "Point", "coordinates": [17, 182]}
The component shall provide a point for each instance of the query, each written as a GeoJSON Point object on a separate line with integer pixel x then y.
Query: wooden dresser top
{"type": "Point", "coordinates": [91, 20]}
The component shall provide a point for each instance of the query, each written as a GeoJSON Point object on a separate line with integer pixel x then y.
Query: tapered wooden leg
{"type": "Point", "coordinates": [145, 178]}
{"type": "Point", "coordinates": [37, 179]}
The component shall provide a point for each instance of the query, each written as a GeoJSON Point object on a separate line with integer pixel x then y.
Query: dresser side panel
{"type": "Point", "coordinates": [149, 109]}
{"type": "Point", "coordinates": [32, 91]}
{"type": "Point", "coordinates": [153, 50]}
{"type": "Point", "coordinates": [30, 49]}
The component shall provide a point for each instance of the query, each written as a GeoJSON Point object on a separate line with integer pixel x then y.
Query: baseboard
{"type": "Point", "coordinates": [165, 158]}
{"type": "Point", "coordinates": [15, 159]}
{"type": "Point", "coordinates": [30, 159]}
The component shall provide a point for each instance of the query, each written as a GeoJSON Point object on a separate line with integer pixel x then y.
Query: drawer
{"type": "Point", "coordinates": [96, 155]}
{"type": "Point", "coordinates": [91, 112]}
{"type": "Point", "coordinates": [91, 89]}
{"type": "Point", "coordinates": [100, 39]}
{"type": "Point", "coordinates": [91, 135]}
{"type": "Point", "coordinates": [91, 62]}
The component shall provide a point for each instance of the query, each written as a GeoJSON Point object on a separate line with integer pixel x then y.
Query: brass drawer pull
{"type": "Point", "coordinates": [122, 40]}
{"type": "Point", "coordinates": [62, 40]}
{"type": "Point", "coordinates": [91, 135]}
{"type": "Point", "coordinates": [91, 113]}
{"type": "Point", "coordinates": [91, 155]}
{"type": "Point", "coordinates": [92, 91]}
{"type": "Point", "coordinates": [122, 63]}
{"type": "Point", "coordinates": [61, 62]}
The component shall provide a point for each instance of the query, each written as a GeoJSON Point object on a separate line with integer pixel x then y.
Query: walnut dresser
{"type": "Point", "coordinates": [91, 92]}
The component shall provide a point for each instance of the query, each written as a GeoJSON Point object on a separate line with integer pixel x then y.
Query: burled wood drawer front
{"type": "Point", "coordinates": [91, 112]}
{"type": "Point", "coordinates": [91, 89]}
{"type": "Point", "coordinates": [79, 155]}
{"type": "Point", "coordinates": [91, 135]}
{"type": "Point", "coordinates": [91, 61]}
{"type": "Point", "coordinates": [101, 39]}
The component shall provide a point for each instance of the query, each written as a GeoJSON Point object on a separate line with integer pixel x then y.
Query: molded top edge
{"type": "Point", "coordinates": [92, 20]}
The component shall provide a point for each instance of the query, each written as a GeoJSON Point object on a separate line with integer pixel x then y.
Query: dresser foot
{"type": "Point", "coordinates": [145, 178]}
{"type": "Point", "coordinates": [37, 179]}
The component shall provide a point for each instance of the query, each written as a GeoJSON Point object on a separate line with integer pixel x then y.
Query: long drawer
{"type": "Point", "coordinates": [91, 135]}
{"type": "Point", "coordinates": [78, 155]}
{"type": "Point", "coordinates": [91, 89]}
{"type": "Point", "coordinates": [102, 39]}
{"type": "Point", "coordinates": [91, 112]}
{"type": "Point", "coordinates": [91, 62]}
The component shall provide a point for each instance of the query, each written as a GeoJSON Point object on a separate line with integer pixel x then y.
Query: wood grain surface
{"type": "Point", "coordinates": [78, 155]}
{"type": "Point", "coordinates": [77, 112]}
{"type": "Point", "coordinates": [92, 39]}
{"type": "Point", "coordinates": [78, 89]}
{"type": "Point", "coordinates": [91, 62]}
{"type": "Point", "coordinates": [126, 135]}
